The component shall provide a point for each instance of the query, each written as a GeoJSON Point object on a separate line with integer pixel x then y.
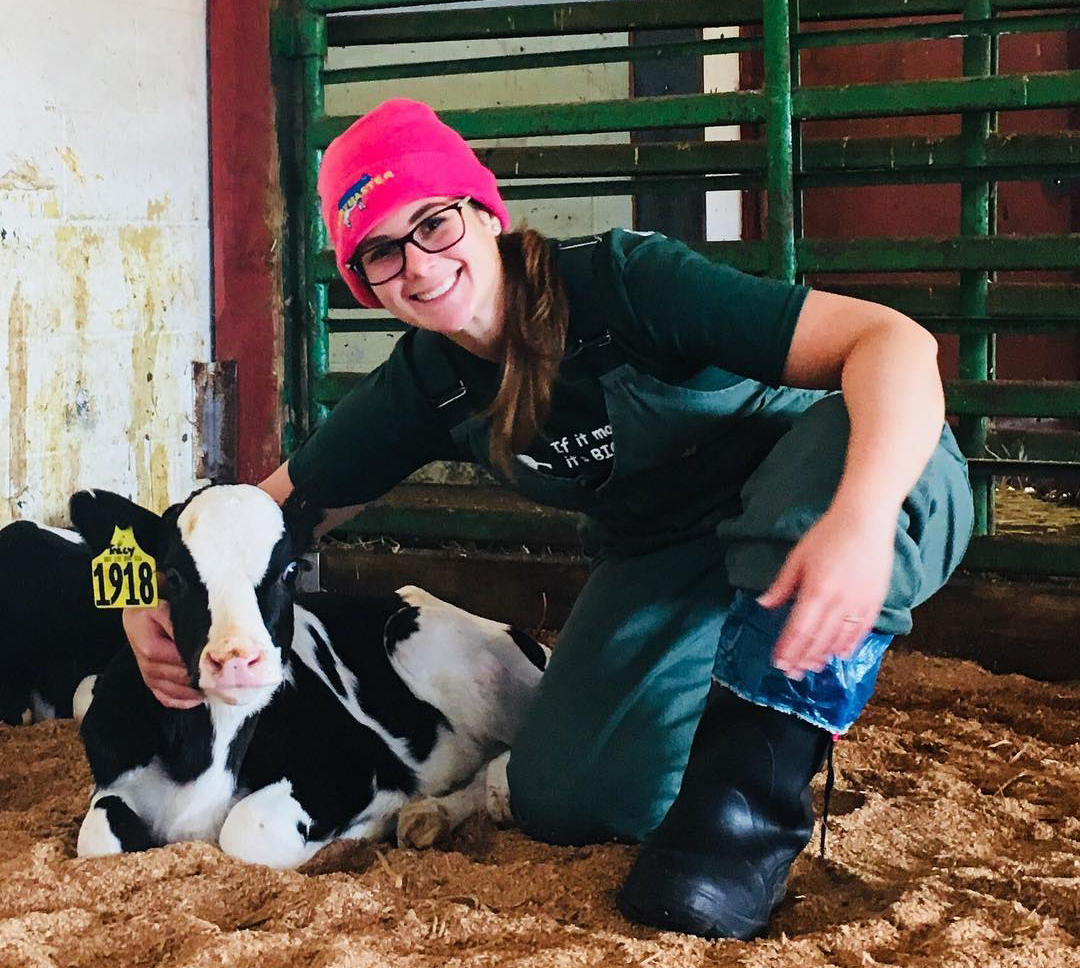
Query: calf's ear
{"type": "Point", "coordinates": [96, 514]}
{"type": "Point", "coordinates": [301, 519]}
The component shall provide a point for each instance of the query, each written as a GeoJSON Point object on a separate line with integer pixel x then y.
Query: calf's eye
{"type": "Point", "coordinates": [291, 571]}
{"type": "Point", "coordinates": [174, 581]}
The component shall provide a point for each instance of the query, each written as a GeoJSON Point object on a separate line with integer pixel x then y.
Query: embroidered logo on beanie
{"type": "Point", "coordinates": [354, 197]}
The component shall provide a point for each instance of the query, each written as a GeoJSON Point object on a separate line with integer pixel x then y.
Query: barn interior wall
{"type": "Point", "coordinates": [104, 249]}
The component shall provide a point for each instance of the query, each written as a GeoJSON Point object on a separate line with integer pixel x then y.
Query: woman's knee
{"type": "Point", "coordinates": [546, 793]}
{"type": "Point", "coordinates": [571, 795]}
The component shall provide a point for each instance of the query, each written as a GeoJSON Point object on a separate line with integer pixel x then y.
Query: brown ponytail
{"type": "Point", "coordinates": [536, 318]}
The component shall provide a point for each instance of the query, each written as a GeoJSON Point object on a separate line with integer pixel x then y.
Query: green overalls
{"type": "Point", "coordinates": [715, 478]}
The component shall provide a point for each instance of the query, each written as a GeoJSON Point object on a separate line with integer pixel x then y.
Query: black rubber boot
{"type": "Point", "coordinates": [718, 864]}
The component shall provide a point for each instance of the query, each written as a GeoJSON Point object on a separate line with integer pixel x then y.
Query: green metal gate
{"type": "Point", "coordinates": [781, 163]}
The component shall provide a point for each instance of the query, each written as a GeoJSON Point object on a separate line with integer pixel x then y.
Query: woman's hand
{"type": "Point", "coordinates": [838, 575]}
{"type": "Point", "coordinates": [149, 632]}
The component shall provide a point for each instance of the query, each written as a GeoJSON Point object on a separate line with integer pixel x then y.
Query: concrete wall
{"type": "Point", "coordinates": [104, 248]}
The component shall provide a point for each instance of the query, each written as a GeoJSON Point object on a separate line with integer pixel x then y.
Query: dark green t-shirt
{"type": "Point", "coordinates": [678, 314]}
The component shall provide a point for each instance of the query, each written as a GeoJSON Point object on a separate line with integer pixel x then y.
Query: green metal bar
{"type": "Point", "coordinates": [349, 6]}
{"type": "Point", "coordinates": [677, 157]}
{"type": "Point", "coordinates": [976, 351]}
{"type": "Point", "coordinates": [1013, 398]}
{"type": "Point", "coordinates": [549, 59]}
{"type": "Point", "coordinates": [1041, 445]}
{"type": "Point", "coordinates": [816, 9]}
{"type": "Point", "coordinates": [359, 6]}
{"type": "Point", "coordinates": [661, 186]}
{"type": "Point", "coordinates": [873, 9]}
{"type": "Point", "coordinates": [943, 96]}
{"type": "Point", "coordinates": [679, 185]}
{"type": "Point", "coordinates": [381, 324]}
{"type": "Point", "coordinates": [1009, 154]}
{"type": "Point", "coordinates": [1041, 299]}
{"type": "Point", "coordinates": [937, 31]}
{"type": "Point", "coordinates": [531, 120]}
{"type": "Point", "coordinates": [1006, 299]}
{"type": "Point", "coordinates": [537, 20]}
{"type": "Point", "coordinates": [479, 513]}
{"type": "Point", "coordinates": [701, 48]}
{"type": "Point", "coordinates": [988, 467]}
{"type": "Point", "coordinates": [828, 10]}
{"type": "Point", "coordinates": [940, 255]}
{"type": "Point", "coordinates": [938, 176]}
{"type": "Point", "coordinates": [316, 301]}
{"type": "Point", "coordinates": [1028, 555]}
{"type": "Point", "coordinates": [917, 152]}
{"type": "Point", "coordinates": [795, 82]}
{"type": "Point", "coordinates": [832, 179]}
{"type": "Point", "coordinates": [983, 325]}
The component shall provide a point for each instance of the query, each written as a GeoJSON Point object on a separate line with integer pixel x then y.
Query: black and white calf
{"type": "Point", "coordinates": [324, 714]}
{"type": "Point", "coordinates": [51, 637]}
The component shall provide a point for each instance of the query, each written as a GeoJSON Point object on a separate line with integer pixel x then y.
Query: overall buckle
{"type": "Point", "coordinates": [455, 394]}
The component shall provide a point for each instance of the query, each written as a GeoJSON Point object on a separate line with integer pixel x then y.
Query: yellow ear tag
{"type": "Point", "coordinates": [123, 575]}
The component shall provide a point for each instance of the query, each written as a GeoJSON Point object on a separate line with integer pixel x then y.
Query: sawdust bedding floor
{"type": "Point", "coordinates": [955, 841]}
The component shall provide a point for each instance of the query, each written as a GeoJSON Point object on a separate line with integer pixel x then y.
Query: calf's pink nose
{"type": "Point", "coordinates": [236, 670]}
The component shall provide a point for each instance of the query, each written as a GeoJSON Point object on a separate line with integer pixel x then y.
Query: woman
{"type": "Point", "coordinates": [683, 407]}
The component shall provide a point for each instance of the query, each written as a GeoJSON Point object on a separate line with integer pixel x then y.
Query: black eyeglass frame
{"type": "Point", "coordinates": [355, 266]}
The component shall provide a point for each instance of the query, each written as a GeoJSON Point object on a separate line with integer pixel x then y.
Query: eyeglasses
{"type": "Point", "coordinates": [383, 261]}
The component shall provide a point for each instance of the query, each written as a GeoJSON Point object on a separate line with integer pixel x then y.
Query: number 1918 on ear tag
{"type": "Point", "coordinates": [123, 575]}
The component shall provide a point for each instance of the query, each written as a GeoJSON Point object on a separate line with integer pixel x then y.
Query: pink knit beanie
{"type": "Point", "coordinates": [395, 154]}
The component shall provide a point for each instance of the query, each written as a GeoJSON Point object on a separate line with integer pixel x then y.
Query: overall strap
{"type": "Point", "coordinates": [592, 300]}
{"type": "Point", "coordinates": [440, 380]}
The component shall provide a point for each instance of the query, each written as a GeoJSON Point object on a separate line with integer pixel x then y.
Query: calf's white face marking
{"type": "Point", "coordinates": [240, 662]}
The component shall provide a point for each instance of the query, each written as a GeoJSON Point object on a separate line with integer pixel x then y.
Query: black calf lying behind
{"type": "Point", "coordinates": [51, 636]}
{"type": "Point", "coordinates": [323, 716]}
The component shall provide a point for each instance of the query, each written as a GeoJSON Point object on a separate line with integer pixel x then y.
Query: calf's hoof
{"type": "Point", "coordinates": [497, 792]}
{"type": "Point", "coordinates": [421, 824]}
{"type": "Point", "coordinates": [112, 827]}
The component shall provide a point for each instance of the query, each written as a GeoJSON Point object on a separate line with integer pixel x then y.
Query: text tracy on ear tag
{"type": "Point", "coordinates": [123, 575]}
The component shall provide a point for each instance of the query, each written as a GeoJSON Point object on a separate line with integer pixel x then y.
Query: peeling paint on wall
{"type": "Point", "coordinates": [72, 162]}
{"type": "Point", "coordinates": [104, 255]}
{"type": "Point", "coordinates": [25, 177]}
{"type": "Point", "coordinates": [157, 207]}
{"type": "Point", "coordinates": [150, 274]}
{"type": "Point", "coordinates": [16, 364]}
